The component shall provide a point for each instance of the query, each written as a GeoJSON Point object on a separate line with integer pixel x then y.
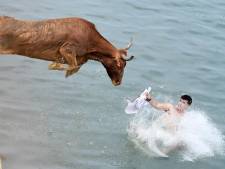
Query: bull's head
{"type": "Point", "coordinates": [115, 65]}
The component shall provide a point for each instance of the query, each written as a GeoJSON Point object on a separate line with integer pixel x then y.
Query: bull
{"type": "Point", "coordinates": [71, 41]}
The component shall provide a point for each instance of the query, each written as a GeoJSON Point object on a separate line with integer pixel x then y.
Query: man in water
{"type": "Point", "coordinates": [177, 110]}
{"type": "Point", "coordinates": [168, 123]}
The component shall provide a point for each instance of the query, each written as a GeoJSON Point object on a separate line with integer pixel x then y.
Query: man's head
{"type": "Point", "coordinates": [184, 102]}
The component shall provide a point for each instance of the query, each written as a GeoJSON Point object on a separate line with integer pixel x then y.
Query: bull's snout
{"type": "Point", "coordinates": [116, 83]}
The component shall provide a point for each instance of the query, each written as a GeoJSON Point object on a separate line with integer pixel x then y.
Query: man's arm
{"type": "Point", "coordinates": [160, 106]}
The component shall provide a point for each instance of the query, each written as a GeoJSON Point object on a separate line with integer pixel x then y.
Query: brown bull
{"type": "Point", "coordinates": [71, 41]}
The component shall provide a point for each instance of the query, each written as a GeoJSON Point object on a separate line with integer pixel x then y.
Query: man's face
{"type": "Point", "coordinates": [182, 105]}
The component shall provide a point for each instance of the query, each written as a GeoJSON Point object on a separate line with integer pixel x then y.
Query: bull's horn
{"type": "Point", "coordinates": [129, 44]}
{"type": "Point", "coordinates": [128, 59]}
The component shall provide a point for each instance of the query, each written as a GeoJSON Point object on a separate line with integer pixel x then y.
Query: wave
{"type": "Point", "coordinates": [193, 136]}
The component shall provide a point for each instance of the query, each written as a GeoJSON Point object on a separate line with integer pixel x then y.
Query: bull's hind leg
{"type": "Point", "coordinates": [68, 51]}
{"type": "Point", "coordinates": [4, 46]}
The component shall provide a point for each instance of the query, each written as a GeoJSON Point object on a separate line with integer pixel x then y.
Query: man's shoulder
{"type": "Point", "coordinates": [168, 107]}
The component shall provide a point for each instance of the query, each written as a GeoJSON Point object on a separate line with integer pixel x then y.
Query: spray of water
{"type": "Point", "coordinates": [195, 136]}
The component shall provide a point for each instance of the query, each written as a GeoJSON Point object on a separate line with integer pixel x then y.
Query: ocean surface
{"type": "Point", "coordinates": [50, 122]}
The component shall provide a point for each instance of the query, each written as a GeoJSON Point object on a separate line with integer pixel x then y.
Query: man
{"type": "Point", "coordinates": [177, 110]}
{"type": "Point", "coordinates": [167, 124]}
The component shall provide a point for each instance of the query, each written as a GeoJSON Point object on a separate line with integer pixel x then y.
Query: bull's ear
{"type": "Point", "coordinates": [123, 52]}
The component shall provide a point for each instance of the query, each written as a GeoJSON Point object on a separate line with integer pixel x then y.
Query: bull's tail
{"type": "Point", "coordinates": [0, 163]}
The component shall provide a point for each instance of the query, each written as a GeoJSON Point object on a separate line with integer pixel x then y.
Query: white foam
{"type": "Point", "coordinates": [196, 132]}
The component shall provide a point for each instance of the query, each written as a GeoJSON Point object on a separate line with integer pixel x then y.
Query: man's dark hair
{"type": "Point", "coordinates": [188, 98]}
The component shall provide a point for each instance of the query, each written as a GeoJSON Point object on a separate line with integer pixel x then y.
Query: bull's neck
{"type": "Point", "coordinates": [102, 51]}
{"type": "Point", "coordinates": [96, 57]}
{"type": "Point", "coordinates": [104, 47]}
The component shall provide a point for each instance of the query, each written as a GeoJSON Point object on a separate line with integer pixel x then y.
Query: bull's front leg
{"type": "Point", "coordinates": [68, 51]}
{"type": "Point", "coordinates": [57, 64]}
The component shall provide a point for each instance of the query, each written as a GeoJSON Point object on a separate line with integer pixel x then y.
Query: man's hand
{"type": "Point", "coordinates": [148, 97]}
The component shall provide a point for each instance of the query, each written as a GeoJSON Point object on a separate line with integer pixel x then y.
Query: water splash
{"type": "Point", "coordinates": [195, 137]}
{"type": "Point", "coordinates": [201, 136]}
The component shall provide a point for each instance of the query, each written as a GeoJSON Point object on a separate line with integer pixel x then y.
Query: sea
{"type": "Point", "coordinates": [48, 121]}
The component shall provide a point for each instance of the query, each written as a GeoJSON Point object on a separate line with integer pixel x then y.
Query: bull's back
{"type": "Point", "coordinates": [46, 31]}
{"type": "Point", "coordinates": [28, 38]}
{"type": "Point", "coordinates": [42, 39]}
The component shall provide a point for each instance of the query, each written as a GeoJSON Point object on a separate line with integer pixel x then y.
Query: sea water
{"type": "Point", "coordinates": [48, 121]}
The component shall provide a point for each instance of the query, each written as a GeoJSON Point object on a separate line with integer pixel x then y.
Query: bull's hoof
{"type": "Point", "coordinates": [56, 66]}
{"type": "Point", "coordinates": [71, 70]}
